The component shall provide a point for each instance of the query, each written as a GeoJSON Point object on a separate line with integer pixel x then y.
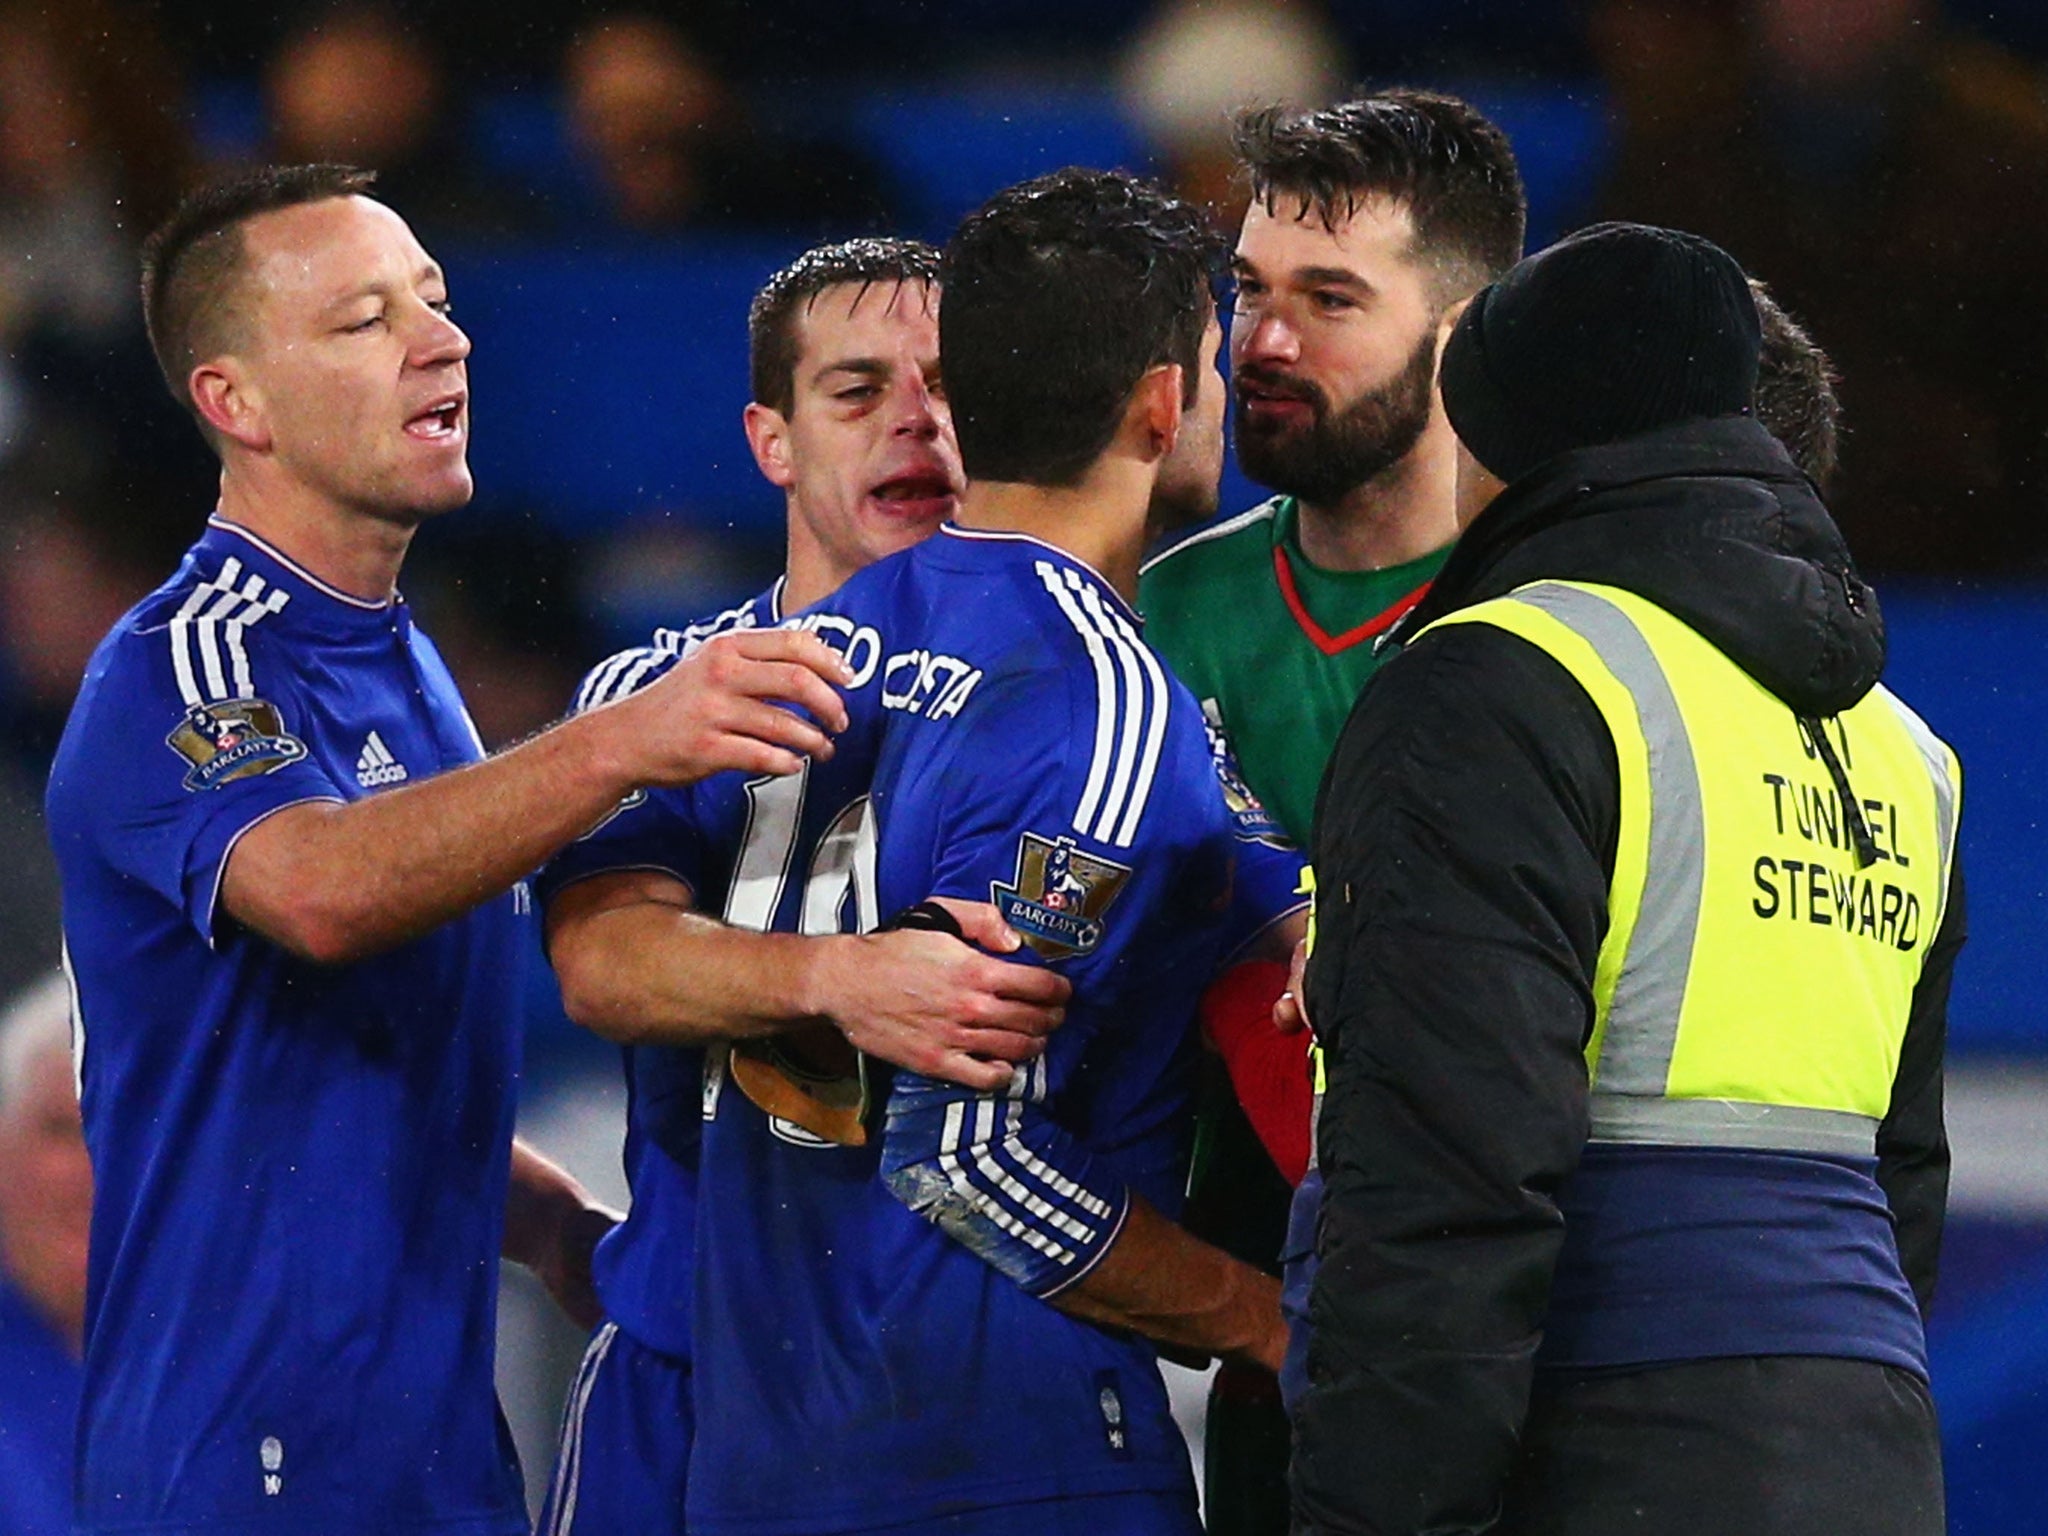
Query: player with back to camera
{"type": "Point", "coordinates": [945, 1326]}
{"type": "Point", "coordinates": [290, 889]}
{"type": "Point", "coordinates": [849, 419]}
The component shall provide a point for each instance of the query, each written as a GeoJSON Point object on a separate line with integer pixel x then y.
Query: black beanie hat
{"type": "Point", "coordinates": [1618, 329]}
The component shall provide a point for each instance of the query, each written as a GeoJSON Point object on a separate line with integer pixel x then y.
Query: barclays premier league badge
{"type": "Point", "coordinates": [1255, 823]}
{"type": "Point", "coordinates": [233, 739]}
{"type": "Point", "coordinates": [1058, 896]}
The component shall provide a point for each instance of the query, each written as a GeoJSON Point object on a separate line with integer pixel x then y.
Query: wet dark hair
{"type": "Point", "coordinates": [1438, 156]}
{"type": "Point", "coordinates": [1061, 292]}
{"type": "Point", "coordinates": [1795, 396]}
{"type": "Point", "coordinates": [192, 262]}
{"type": "Point", "coordinates": [772, 345]}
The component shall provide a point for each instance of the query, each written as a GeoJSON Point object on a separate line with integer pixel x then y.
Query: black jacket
{"type": "Point", "coordinates": [1464, 842]}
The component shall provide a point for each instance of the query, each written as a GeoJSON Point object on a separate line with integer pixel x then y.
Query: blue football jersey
{"type": "Point", "coordinates": [644, 1266]}
{"type": "Point", "coordinates": [301, 1170]}
{"type": "Point", "coordinates": [38, 1415]}
{"type": "Point", "coordinates": [873, 1342]}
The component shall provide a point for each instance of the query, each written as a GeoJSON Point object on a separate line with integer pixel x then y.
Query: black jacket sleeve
{"type": "Point", "coordinates": [1912, 1142]}
{"type": "Point", "coordinates": [1463, 846]}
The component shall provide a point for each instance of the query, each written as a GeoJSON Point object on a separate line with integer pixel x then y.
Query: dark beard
{"type": "Point", "coordinates": [1324, 462]}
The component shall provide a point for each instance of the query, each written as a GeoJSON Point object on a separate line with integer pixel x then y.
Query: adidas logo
{"type": "Point", "coordinates": [376, 766]}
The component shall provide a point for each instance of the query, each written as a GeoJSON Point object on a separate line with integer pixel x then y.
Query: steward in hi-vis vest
{"type": "Point", "coordinates": [1637, 905]}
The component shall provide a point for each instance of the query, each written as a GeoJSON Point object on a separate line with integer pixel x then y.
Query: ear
{"type": "Point", "coordinates": [1152, 419]}
{"type": "Point", "coordinates": [768, 435]}
{"type": "Point", "coordinates": [228, 403]}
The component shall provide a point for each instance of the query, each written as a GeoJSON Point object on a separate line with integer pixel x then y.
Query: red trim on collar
{"type": "Point", "coordinates": [1321, 638]}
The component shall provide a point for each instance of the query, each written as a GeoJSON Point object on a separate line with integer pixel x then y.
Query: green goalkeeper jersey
{"type": "Point", "coordinates": [1275, 648]}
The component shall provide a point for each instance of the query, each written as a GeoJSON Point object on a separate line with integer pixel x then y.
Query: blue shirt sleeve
{"type": "Point", "coordinates": [654, 829]}
{"type": "Point", "coordinates": [1058, 848]}
{"type": "Point", "coordinates": [1268, 885]}
{"type": "Point", "coordinates": [183, 764]}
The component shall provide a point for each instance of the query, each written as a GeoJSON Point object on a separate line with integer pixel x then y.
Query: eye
{"type": "Point", "coordinates": [368, 323]}
{"type": "Point", "coordinates": [1329, 302]}
{"type": "Point", "coordinates": [442, 307]}
{"type": "Point", "coordinates": [858, 392]}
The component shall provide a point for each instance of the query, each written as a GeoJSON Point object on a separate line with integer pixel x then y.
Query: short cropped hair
{"type": "Point", "coordinates": [193, 260]}
{"type": "Point", "coordinates": [1795, 396]}
{"type": "Point", "coordinates": [1438, 156]}
{"type": "Point", "coordinates": [772, 346]}
{"type": "Point", "coordinates": [1061, 292]}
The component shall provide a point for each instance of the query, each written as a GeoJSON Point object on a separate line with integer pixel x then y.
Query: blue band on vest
{"type": "Point", "coordinates": [1705, 1253]}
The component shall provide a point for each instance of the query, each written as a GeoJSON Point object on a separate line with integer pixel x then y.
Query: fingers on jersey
{"type": "Point", "coordinates": [930, 1003]}
{"type": "Point", "coordinates": [982, 925]}
{"type": "Point", "coordinates": [757, 700]}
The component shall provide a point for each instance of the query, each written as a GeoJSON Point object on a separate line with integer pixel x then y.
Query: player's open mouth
{"type": "Point", "coordinates": [440, 422]}
{"type": "Point", "coordinates": [915, 498]}
{"type": "Point", "coordinates": [1273, 399]}
{"type": "Point", "coordinates": [1267, 404]}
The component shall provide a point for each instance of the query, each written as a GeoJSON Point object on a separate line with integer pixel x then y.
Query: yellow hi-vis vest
{"type": "Point", "coordinates": [1756, 976]}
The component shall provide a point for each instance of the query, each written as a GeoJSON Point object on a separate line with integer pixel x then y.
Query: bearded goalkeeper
{"type": "Point", "coordinates": [1371, 223]}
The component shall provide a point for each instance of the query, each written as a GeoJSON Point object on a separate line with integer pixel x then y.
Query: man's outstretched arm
{"type": "Point", "coordinates": [638, 965]}
{"type": "Point", "coordinates": [334, 883]}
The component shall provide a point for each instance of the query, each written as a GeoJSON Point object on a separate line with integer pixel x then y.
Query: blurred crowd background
{"type": "Point", "coordinates": [607, 187]}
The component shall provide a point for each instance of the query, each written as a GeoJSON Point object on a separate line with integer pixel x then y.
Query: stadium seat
{"type": "Point", "coordinates": [949, 149]}
{"type": "Point", "coordinates": [609, 380]}
{"type": "Point", "coordinates": [1967, 657]}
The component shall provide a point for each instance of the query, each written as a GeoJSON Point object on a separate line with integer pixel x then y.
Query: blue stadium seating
{"type": "Point", "coordinates": [1559, 129]}
{"type": "Point", "coordinates": [1988, 1340]}
{"type": "Point", "coordinates": [949, 149]}
{"type": "Point", "coordinates": [609, 380]}
{"type": "Point", "coordinates": [1970, 659]}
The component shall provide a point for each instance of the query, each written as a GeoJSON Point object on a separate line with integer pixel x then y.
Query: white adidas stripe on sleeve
{"type": "Point", "coordinates": [209, 655]}
{"type": "Point", "coordinates": [1130, 720]}
{"type": "Point", "coordinates": [1136, 653]}
{"type": "Point", "coordinates": [1085, 814]}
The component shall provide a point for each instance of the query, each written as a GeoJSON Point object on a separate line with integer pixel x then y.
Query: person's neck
{"type": "Point", "coordinates": [348, 550]}
{"type": "Point", "coordinates": [1407, 511]}
{"type": "Point", "coordinates": [809, 573]}
{"type": "Point", "coordinates": [1100, 522]}
{"type": "Point", "coordinates": [801, 587]}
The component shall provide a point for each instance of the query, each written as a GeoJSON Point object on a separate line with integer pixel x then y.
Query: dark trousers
{"type": "Point", "coordinates": [1244, 1465]}
{"type": "Point", "coordinates": [1770, 1446]}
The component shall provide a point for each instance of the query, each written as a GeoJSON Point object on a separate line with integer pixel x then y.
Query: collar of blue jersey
{"type": "Point", "coordinates": [310, 595]}
{"type": "Point", "coordinates": [1003, 536]}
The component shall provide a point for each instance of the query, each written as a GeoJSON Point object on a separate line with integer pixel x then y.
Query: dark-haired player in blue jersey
{"type": "Point", "coordinates": [289, 909]}
{"type": "Point", "coordinates": [947, 1325]}
{"type": "Point", "coordinates": [849, 420]}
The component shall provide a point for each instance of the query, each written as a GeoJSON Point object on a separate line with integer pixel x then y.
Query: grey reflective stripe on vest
{"type": "Point", "coordinates": [1730, 1123]}
{"type": "Point", "coordinates": [1649, 991]}
{"type": "Point", "coordinates": [1936, 757]}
